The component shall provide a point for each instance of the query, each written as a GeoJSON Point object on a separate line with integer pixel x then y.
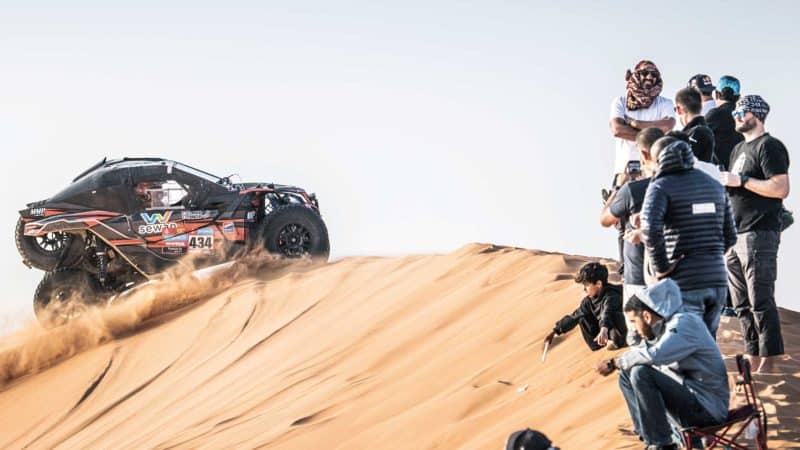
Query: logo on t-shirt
{"type": "Point", "coordinates": [738, 166]}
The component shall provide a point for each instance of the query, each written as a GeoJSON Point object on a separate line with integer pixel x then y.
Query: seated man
{"type": "Point", "coordinates": [600, 313]}
{"type": "Point", "coordinates": [678, 371]}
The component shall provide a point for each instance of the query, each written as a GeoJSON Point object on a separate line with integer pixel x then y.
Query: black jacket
{"type": "Point", "coordinates": [687, 218]}
{"type": "Point", "coordinates": [720, 120]}
{"type": "Point", "coordinates": [701, 138]}
{"type": "Point", "coordinates": [606, 309]}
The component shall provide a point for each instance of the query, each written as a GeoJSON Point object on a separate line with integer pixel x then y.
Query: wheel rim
{"type": "Point", "coordinates": [294, 240]}
{"type": "Point", "coordinates": [52, 242]}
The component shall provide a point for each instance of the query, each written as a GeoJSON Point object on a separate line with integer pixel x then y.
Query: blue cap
{"type": "Point", "coordinates": [728, 81]}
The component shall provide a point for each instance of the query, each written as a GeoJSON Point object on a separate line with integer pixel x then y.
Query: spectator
{"type": "Point", "coordinates": [720, 120]}
{"type": "Point", "coordinates": [687, 225]}
{"type": "Point", "coordinates": [678, 371]}
{"type": "Point", "coordinates": [758, 182]}
{"type": "Point", "coordinates": [701, 138]}
{"type": "Point", "coordinates": [599, 314]}
{"type": "Point", "coordinates": [620, 208]}
{"type": "Point", "coordinates": [528, 439]}
{"type": "Point", "coordinates": [640, 107]}
{"type": "Point", "coordinates": [702, 84]}
{"type": "Point", "coordinates": [707, 167]}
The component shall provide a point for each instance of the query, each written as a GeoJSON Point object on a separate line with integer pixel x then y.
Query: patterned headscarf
{"type": "Point", "coordinates": [644, 85]}
{"type": "Point", "coordinates": [755, 104]}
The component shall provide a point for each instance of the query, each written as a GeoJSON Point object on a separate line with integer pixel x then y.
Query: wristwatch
{"type": "Point", "coordinates": [743, 179]}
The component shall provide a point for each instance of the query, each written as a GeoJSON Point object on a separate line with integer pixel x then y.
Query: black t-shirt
{"type": "Point", "coordinates": [626, 203]}
{"type": "Point", "coordinates": [720, 120]}
{"type": "Point", "coordinates": [761, 158]}
{"type": "Point", "coordinates": [701, 138]}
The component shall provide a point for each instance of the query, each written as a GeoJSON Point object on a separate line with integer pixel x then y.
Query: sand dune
{"type": "Point", "coordinates": [420, 352]}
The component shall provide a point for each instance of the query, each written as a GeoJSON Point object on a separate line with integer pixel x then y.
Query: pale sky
{"type": "Point", "coordinates": [422, 126]}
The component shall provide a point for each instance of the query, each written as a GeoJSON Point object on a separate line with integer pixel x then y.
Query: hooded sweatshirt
{"type": "Point", "coordinates": [687, 218]}
{"type": "Point", "coordinates": [682, 348]}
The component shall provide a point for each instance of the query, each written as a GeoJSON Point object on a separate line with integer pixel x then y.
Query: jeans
{"type": "Point", "coordinates": [651, 395]}
{"type": "Point", "coordinates": [752, 270]}
{"type": "Point", "coordinates": [708, 303]}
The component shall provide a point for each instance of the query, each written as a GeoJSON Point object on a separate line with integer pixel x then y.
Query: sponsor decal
{"type": "Point", "coordinates": [229, 228]}
{"type": "Point", "coordinates": [206, 231]}
{"type": "Point", "coordinates": [176, 241]}
{"type": "Point", "coordinates": [157, 223]}
{"type": "Point", "coordinates": [39, 212]}
{"type": "Point", "coordinates": [198, 215]}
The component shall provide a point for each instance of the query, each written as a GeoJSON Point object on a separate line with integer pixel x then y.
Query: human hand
{"type": "Point", "coordinates": [636, 220]}
{"type": "Point", "coordinates": [633, 236]}
{"type": "Point", "coordinates": [660, 275]}
{"type": "Point", "coordinates": [730, 179]}
{"type": "Point", "coordinates": [602, 336]}
{"type": "Point", "coordinates": [605, 367]}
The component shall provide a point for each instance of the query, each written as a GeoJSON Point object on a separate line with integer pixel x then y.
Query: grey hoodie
{"type": "Point", "coordinates": [683, 349]}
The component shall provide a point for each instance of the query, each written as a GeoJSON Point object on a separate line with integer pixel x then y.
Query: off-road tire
{"type": "Point", "coordinates": [294, 231]}
{"type": "Point", "coordinates": [69, 253]}
{"type": "Point", "coordinates": [62, 285]}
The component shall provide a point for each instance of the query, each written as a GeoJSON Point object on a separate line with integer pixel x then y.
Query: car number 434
{"type": "Point", "coordinates": [201, 242]}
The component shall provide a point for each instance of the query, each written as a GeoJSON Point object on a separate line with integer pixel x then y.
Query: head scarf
{"type": "Point", "coordinates": [644, 85]}
{"type": "Point", "coordinates": [755, 104]}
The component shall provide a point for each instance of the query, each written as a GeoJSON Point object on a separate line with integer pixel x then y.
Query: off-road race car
{"type": "Point", "coordinates": [124, 221]}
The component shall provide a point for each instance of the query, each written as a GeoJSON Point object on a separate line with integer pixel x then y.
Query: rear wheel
{"type": "Point", "coordinates": [295, 231]}
{"type": "Point", "coordinates": [63, 295]}
{"type": "Point", "coordinates": [50, 251]}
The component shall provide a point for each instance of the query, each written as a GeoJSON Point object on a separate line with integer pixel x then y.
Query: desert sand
{"type": "Point", "coordinates": [417, 352]}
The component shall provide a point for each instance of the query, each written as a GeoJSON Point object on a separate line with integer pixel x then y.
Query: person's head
{"type": "Point", "coordinates": [659, 146]}
{"type": "Point", "coordinates": [644, 142]}
{"type": "Point", "coordinates": [702, 83]}
{"type": "Point", "coordinates": [688, 104]}
{"type": "Point", "coordinates": [641, 316]}
{"type": "Point", "coordinates": [528, 439]}
{"type": "Point", "coordinates": [750, 113]}
{"type": "Point", "coordinates": [594, 277]}
{"type": "Point", "coordinates": [727, 89]}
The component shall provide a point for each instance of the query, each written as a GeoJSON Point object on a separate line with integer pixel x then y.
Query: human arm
{"type": "Point", "coordinates": [653, 211]}
{"type": "Point", "coordinates": [614, 207]}
{"type": "Point", "coordinates": [570, 321]}
{"type": "Point", "coordinates": [666, 124]}
{"type": "Point", "coordinates": [676, 343]}
{"type": "Point", "coordinates": [621, 129]}
{"type": "Point", "coordinates": [776, 186]}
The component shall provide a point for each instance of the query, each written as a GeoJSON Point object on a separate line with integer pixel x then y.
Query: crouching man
{"type": "Point", "coordinates": [677, 372]}
{"type": "Point", "coordinates": [599, 314]}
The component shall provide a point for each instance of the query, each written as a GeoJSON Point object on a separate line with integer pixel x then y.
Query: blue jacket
{"type": "Point", "coordinates": [684, 349]}
{"type": "Point", "coordinates": [687, 217]}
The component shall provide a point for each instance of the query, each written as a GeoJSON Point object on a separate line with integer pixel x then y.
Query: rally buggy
{"type": "Point", "coordinates": [122, 222]}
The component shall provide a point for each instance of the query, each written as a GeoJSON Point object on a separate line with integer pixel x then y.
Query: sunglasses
{"type": "Point", "coordinates": [645, 72]}
{"type": "Point", "coordinates": [738, 114]}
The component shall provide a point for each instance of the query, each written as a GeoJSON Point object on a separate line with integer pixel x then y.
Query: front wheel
{"type": "Point", "coordinates": [295, 231]}
{"type": "Point", "coordinates": [65, 294]}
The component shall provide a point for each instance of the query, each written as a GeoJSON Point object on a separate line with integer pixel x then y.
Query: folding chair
{"type": "Point", "coordinates": [725, 434]}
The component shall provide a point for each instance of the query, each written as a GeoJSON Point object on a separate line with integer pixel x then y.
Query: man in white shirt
{"type": "Point", "coordinates": [703, 84]}
{"type": "Point", "coordinates": [640, 107]}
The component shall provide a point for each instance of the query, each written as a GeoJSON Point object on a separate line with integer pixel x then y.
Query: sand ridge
{"type": "Point", "coordinates": [416, 352]}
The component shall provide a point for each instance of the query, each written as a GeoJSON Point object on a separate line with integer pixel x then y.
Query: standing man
{"type": "Point", "coordinates": [701, 138]}
{"type": "Point", "coordinates": [687, 225]}
{"type": "Point", "coordinates": [720, 120]}
{"type": "Point", "coordinates": [678, 372]}
{"type": "Point", "coordinates": [640, 107]}
{"type": "Point", "coordinates": [758, 182]}
{"type": "Point", "coordinates": [702, 84]}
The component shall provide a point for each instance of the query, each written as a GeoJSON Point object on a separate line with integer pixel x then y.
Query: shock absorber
{"type": "Point", "coordinates": [102, 262]}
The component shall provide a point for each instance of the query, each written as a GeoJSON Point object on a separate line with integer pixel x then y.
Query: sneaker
{"type": "Point", "coordinates": [728, 312]}
{"type": "Point", "coordinates": [612, 346]}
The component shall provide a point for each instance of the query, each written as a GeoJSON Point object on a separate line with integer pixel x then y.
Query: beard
{"type": "Point", "coordinates": [746, 126]}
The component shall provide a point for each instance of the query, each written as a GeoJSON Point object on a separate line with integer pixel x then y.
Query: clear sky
{"type": "Point", "coordinates": [422, 126]}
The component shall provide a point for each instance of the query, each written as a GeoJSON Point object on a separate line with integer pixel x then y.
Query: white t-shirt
{"type": "Point", "coordinates": [710, 169]}
{"type": "Point", "coordinates": [708, 105]}
{"type": "Point", "coordinates": [626, 150]}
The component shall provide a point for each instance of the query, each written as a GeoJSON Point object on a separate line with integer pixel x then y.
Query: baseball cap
{"type": "Point", "coordinates": [702, 83]}
{"type": "Point", "coordinates": [728, 81]}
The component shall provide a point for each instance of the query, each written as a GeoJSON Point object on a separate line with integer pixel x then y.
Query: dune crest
{"type": "Point", "coordinates": [425, 351]}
